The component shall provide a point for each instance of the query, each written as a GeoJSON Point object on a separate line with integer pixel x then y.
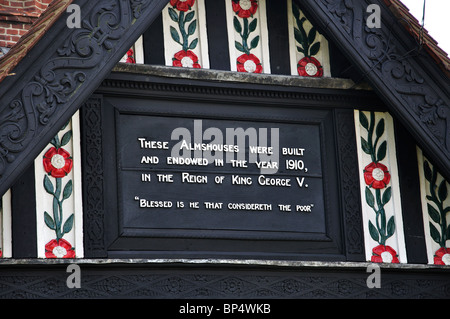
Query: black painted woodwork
{"type": "Point", "coordinates": [410, 195]}
{"type": "Point", "coordinates": [154, 97]}
{"type": "Point", "coordinates": [222, 283]}
{"type": "Point", "coordinates": [216, 24]}
{"type": "Point", "coordinates": [23, 206]}
{"type": "Point", "coordinates": [153, 42]}
{"type": "Point", "coordinates": [277, 25]}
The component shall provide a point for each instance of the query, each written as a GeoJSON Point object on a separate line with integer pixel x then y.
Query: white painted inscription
{"type": "Point", "coordinates": [227, 162]}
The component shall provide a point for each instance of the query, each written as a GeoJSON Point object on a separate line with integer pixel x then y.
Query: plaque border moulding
{"type": "Point", "coordinates": [97, 239]}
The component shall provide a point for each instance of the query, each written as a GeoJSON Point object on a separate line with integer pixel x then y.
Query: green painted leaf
{"type": "Point", "coordinates": [173, 15]}
{"type": "Point", "coordinates": [435, 234]}
{"type": "Point", "coordinates": [48, 186]}
{"type": "Point", "coordinates": [295, 10]}
{"type": "Point", "coordinates": [189, 16]}
{"type": "Point", "coordinates": [312, 35]}
{"type": "Point", "coordinates": [175, 35]}
{"type": "Point", "coordinates": [300, 50]}
{"type": "Point", "coordinates": [427, 171]}
{"type": "Point", "coordinates": [254, 42]}
{"type": "Point", "coordinates": [66, 138]}
{"type": "Point", "coordinates": [193, 44]}
{"type": "Point", "coordinates": [49, 221]}
{"type": "Point", "coordinates": [237, 25]}
{"type": "Point", "coordinates": [380, 128]}
{"type": "Point", "coordinates": [314, 49]}
{"type": "Point", "coordinates": [434, 214]}
{"type": "Point", "coordinates": [252, 25]}
{"type": "Point", "coordinates": [390, 227]}
{"type": "Point", "coordinates": [386, 196]}
{"type": "Point", "coordinates": [67, 190]}
{"type": "Point", "coordinates": [365, 146]}
{"type": "Point", "coordinates": [381, 153]}
{"type": "Point", "coordinates": [442, 190]}
{"type": "Point", "coordinates": [373, 232]}
{"type": "Point", "coordinates": [68, 224]}
{"type": "Point", "coordinates": [363, 120]}
{"type": "Point", "coordinates": [299, 37]}
{"type": "Point", "coordinates": [370, 200]}
{"type": "Point", "coordinates": [239, 46]}
{"type": "Point", "coordinates": [192, 27]}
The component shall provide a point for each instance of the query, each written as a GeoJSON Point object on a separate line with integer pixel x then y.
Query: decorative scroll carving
{"type": "Point", "coordinates": [41, 102]}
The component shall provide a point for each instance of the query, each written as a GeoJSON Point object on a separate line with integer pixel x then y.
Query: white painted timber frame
{"type": "Point", "coordinates": [324, 53]}
{"type": "Point", "coordinates": [393, 207]}
{"type": "Point", "coordinates": [431, 245]}
{"type": "Point", "coordinates": [262, 50]}
{"type": "Point", "coordinates": [72, 205]}
{"type": "Point", "coordinates": [5, 226]}
{"type": "Point", "coordinates": [171, 47]}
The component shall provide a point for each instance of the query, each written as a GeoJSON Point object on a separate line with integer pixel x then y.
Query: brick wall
{"type": "Point", "coordinates": [16, 18]}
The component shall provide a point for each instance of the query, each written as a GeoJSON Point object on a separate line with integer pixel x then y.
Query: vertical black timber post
{"type": "Point", "coordinates": [93, 182]}
{"type": "Point", "coordinates": [153, 43]}
{"type": "Point", "coordinates": [217, 35]}
{"type": "Point", "coordinates": [408, 172]}
{"type": "Point", "coordinates": [349, 185]}
{"type": "Point", "coordinates": [277, 24]}
{"type": "Point", "coordinates": [23, 203]}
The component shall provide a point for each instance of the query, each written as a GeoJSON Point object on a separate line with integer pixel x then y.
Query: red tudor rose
{"type": "Point", "coordinates": [249, 63]}
{"type": "Point", "coordinates": [376, 175]}
{"type": "Point", "coordinates": [309, 66]}
{"type": "Point", "coordinates": [245, 8]}
{"type": "Point", "coordinates": [442, 256]}
{"type": "Point", "coordinates": [182, 5]}
{"type": "Point", "coordinates": [384, 254]}
{"type": "Point", "coordinates": [59, 249]}
{"type": "Point", "coordinates": [57, 162]}
{"type": "Point", "coordinates": [186, 59]}
{"type": "Point", "coordinates": [130, 58]}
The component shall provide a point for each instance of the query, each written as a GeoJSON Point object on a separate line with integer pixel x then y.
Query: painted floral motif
{"type": "Point", "coordinates": [384, 254]}
{"type": "Point", "coordinates": [376, 175]}
{"type": "Point", "coordinates": [438, 214]}
{"type": "Point", "coordinates": [442, 256]}
{"type": "Point", "coordinates": [59, 249]}
{"type": "Point", "coordinates": [58, 163]}
{"type": "Point", "coordinates": [247, 62]}
{"type": "Point", "coordinates": [377, 178]}
{"type": "Point", "coordinates": [1, 214]}
{"type": "Point", "coordinates": [182, 5]}
{"type": "Point", "coordinates": [130, 58]}
{"type": "Point", "coordinates": [307, 45]}
{"type": "Point", "coordinates": [245, 8]}
{"type": "Point", "coordinates": [186, 57]}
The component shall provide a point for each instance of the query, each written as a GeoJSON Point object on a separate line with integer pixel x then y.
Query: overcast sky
{"type": "Point", "coordinates": [437, 19]}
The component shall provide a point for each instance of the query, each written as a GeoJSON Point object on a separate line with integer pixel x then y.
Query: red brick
{"type": "Point", "coordinates": [12, 31]}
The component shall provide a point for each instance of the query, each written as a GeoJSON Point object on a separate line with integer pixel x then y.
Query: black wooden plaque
{"type": "Point", "coordinates": [185, 178]}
